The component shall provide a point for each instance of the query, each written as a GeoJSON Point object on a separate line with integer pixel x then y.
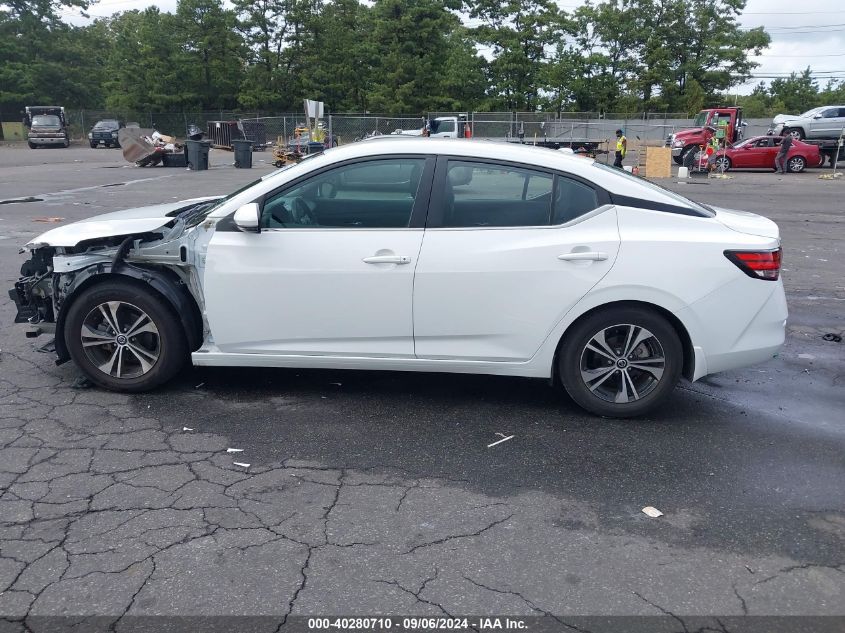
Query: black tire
{"type": "Point", "coordinates": [796, 164]}
{"type": "Point", "coordinates": [32, 145]}
{"type": "Point", "coordinates": [93, 145]}
{"type": "Point", "coordinates": [168, 344]}
{"type": "Point", "coordinates": [678, 160]}
{"type": "Point", "coordinates": [796, 132]}
{"type": "Point", "coordinates": [66, 143]}
{"type": "Point", "coordinates": [604, 398]}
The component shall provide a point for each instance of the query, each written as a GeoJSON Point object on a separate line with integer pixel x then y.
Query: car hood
{"type": "Point", "coordinates": [745, 222]}
{"type": "Point", "coordinates": [116, 224]}
{"type": "Point", "coordinates": [693, 131]}
{"type": "Point", "coordinates": [785, 118]}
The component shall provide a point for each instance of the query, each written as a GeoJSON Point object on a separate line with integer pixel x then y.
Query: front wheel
{"type": "Point", "coordinates": [124, 337]}
{"type": "Point", "coordinates": [723, 163]}
{"type": "Point", "coordinates": [93, 145]}
{"type": "Point", "coordinates": [795, 132]}
{"type": "Point", "coordinates": [796, 164]}
{"type": "Point", "coordinates": [620, 363]}
{"type": "Point", "coordinates": [32, 145]}
{"type": "Point", "coordinates": [66, 143]}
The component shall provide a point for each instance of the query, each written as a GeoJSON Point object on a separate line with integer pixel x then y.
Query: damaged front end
{"type": "Point", "coordinates": [168, 259]}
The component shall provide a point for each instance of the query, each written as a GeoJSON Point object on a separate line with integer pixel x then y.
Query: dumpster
{"type": "Point", "coordinates": [243, 153]}
{"type": "Point", "coordinates": [198, 154]}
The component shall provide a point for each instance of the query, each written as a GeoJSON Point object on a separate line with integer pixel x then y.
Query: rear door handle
{"type": "Point", "coordinates": [387, 259]}
{"type": "Point", "coordinates": [594, 256]}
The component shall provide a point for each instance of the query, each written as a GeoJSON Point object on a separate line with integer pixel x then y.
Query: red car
{"type": "Point", "coordinates": [759, 153]}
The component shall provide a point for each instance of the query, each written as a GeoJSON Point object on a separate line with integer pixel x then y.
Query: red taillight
{"type": "Point", "coordinates": [757, 264]}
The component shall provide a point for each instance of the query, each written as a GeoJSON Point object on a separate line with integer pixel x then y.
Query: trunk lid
{"type": "Point", "coordinates": [745, 222]}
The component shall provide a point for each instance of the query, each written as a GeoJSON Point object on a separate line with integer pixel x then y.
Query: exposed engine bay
{"type": "Point", "coordinates": [169, 259]}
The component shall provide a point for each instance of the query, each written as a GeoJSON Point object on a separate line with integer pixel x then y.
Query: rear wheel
{"type": "Point", "coordinates": [621, 363]}
{"type": "Point", "coordinates": [124, 337]}
{"type": "Point", "coordinates": [796, 164]}
{"type": "Point", "coordinates": [723, 163]}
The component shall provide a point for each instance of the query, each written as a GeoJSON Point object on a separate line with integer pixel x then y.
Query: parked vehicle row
{"type": "Point", "coordinates": [759, 152]}
{"type": "Point", "coordinates": [419, 255]}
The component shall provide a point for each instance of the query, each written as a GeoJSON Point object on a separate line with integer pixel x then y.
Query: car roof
{"type": "Point", "coordinates": [615, 181]}
{"type": "Point", "coordinates": [496, 150]}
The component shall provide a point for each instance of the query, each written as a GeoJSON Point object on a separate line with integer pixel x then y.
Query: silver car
{"type": "Point", "coordinates": [826, 122]}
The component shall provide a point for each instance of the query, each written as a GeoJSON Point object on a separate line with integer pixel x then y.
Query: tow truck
{"type": "Point", "coordinates": [723, 122]}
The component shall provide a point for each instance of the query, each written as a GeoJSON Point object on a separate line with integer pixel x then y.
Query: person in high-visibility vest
{"type": "Point", "coordinates": [621, 148]}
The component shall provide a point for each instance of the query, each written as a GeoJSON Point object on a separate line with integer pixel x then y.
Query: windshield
{"type": "Point", "coordinates": [809, 113]}
{"type": "Point", "coordinates": [46, 120]}
{"type": "Point", "coordinates": [442, 126]}
{"type": "Point", "coordinates": [106, 123]}
{"type": "Point", "coordinates": [700, 118]}
{"type": "Point", "coordinates": [666, 192]}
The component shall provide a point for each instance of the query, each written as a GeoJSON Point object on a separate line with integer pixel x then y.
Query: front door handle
{"type": "Point", "coordinates": [387, 259]}
{"type": "Point", "coordinates": [593, 256]}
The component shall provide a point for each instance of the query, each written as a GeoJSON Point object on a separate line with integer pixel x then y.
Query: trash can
{"type": "Point", "coordinates": [198, 154]}
{"type": "Point", "coordinates": [243, 153]}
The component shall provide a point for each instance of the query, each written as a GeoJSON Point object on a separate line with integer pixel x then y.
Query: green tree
{"type": "Point", "coordinates": [519, 34]}
{"type": "Point", "coordinates": [42, 59]}
{"type": "Point", "coordinates": [409, 49]}
{"type": "Point", "coordinates": [338, 64]}
{"type": "Point", "coordinates": [210, 59]}
{"type": "Point", "coordinates": [143, 67]}
{"type": "Point", "coordinates": [798, 93]}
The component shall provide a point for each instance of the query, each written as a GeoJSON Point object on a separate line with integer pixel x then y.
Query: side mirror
{"type": "Point", "coordinates": [817, 116]}
{"type": "Point", "coordinates": [247, 217]}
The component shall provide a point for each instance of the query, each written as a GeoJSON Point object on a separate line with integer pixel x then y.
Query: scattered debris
{"type": "Point", "coordinates": [187, 428]}
{"type": "Point", "coordinates": [47, 348]}
{"type": "Point", "coordinates": [336, 383]}
{"type": "Point", "coordinates": [830, 176]}
{"type": "Point", "coordinates": [234, 450]}
{"type": "Point", "coordinates": [241, 464]}
{"type": "Point", "coordinates": [81, 382]}
{"type": "Point", "coordinates": [652, 512]}
{"type": "Point", "coordinates": [806, 356]}
{"type": "Point", "coordinates": [504, 439]}
{"type": "Point", "coordinates": [833, 338]}
{"type": "Point", "coordinates": [199, 385]}
{"type": "Point", "coordinates": [50, 220]}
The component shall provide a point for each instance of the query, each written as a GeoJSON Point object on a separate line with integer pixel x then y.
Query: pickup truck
{"type": "Point", "coordinates": [47, 126]}
{"type": "Point", "coordinates": [724, 123]}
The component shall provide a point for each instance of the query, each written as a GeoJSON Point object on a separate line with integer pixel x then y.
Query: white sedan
{"type": "Point", "coordinates": [419, 255]}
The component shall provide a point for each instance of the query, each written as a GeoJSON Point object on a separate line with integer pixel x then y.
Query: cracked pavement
{"type": "Point", "coordinates": [375, 493]}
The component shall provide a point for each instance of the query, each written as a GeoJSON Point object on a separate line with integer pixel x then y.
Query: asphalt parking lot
{"type": "Point", "coordinates": [376, 493]}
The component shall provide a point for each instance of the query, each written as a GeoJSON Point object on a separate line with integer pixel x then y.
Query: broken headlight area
{"type": "Point", "coordinates": [33, 292]}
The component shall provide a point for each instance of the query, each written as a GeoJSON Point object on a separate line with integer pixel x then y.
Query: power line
{"type": "Point", "coordinates": [791, 56]}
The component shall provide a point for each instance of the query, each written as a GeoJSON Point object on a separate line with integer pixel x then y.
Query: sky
{"type": "Point", "coordinates": [812, 35]}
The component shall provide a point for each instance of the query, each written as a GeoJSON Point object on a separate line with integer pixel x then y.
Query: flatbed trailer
{"type": "Point", "coordinates": [829, 148]}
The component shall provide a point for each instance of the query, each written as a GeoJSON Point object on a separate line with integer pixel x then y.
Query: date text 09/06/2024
{"type": "Point", "coordinates": [416, 623]}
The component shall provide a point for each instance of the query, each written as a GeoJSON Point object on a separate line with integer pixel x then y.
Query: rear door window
{"type": "Point", "coordinates": [490, 195]}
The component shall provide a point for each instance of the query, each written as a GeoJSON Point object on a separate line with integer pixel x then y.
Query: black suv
{"type": "Point", "coordinates": [105, 132]}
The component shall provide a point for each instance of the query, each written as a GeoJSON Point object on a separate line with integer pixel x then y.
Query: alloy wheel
{"type": "Point", "coordinates": [622, 363]}
{"type": "Point", "coordinates": [120, 339]}
{"type": "Point", "coordinates": [796, 164]}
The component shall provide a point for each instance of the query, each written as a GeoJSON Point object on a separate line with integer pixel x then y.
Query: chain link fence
{"type": "Point", "coordinates": [266, 128]}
